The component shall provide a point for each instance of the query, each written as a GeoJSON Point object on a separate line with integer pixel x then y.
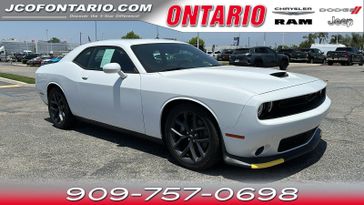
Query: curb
{"type": "Point", "coordinates": [10, 81]}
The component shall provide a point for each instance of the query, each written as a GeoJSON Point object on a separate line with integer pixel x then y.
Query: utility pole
{"type": "Point", "coordinates": [198, 40]}
{"type": "Point", "coordinates": [157, 36]}
{"type": "Point", "coordinates": [47, 39]}
{"type": "Point", "coordinates": [248, 41]}
{"type": "Point", "coordinates": [264, 38]}
{"type": "Point", "coordinates": [95, 30]}
{"type": "Point", "coordinates": [238, 41]}
{"type": "Point", "coordinates": [283, 40]}
{"type": "Point", "coordinates": [80, 38]}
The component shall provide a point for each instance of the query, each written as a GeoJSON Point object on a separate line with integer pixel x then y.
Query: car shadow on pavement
{"type": "Point", "coordinates": [157, 148]}
{"type": "Point", "coordinates": [271, 174]}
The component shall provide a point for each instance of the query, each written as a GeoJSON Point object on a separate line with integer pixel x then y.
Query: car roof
{"type": "Point", "coordinates": [116, 42]}
{"type": "Point", "coordinates": [130, 42]}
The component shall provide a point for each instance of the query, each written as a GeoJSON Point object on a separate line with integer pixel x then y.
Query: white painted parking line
{"type": "Point", "coordinates": [10, 86]}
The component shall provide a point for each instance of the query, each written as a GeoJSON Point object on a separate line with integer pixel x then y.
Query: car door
{"type": "Point", "coordinates": [272, 56]}
{"type": "Point", "coordinates": [108, 98]}
{"type": "Point", "coordinates": [356, 57]}
{"type": "Point", "coordinates": [266, 56]}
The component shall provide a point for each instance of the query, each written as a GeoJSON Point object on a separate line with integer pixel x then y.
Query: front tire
{"type": "Point", "coordinates": [59, 111]}
{"type": "Point", "coordinates": [192, 138]}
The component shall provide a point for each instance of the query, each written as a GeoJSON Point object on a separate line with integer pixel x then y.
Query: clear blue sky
{"type": "Point", "coordinates": [69, 31]}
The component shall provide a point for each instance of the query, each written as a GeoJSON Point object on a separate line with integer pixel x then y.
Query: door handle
{"type": "Point", "coordinates": [84, 78]}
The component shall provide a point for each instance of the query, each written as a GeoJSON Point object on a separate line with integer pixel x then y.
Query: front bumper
{"type": "Point", "coordinates": [265, 162]}
{"type": "Point", "coordinates": [298, 59]}
{"type": "Point", "coordinates": [262, 138]}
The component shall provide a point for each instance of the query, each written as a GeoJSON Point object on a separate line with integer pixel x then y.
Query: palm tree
{"type": "Point", "coordinates": [323, 36]}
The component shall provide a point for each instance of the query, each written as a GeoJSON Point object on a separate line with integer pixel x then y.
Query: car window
{"type": "Point", "coordinates": [83, 58]}
{"type": "Point", "coordinates": [269, 50]}
{"type": "Point", "coordinates": [122, 58]}
{"type": "Point", "coordinates": [96, 57]}
{"type": "Point", "coordinates": [161, 57]}
{"type": "Point", "coordinates": [263, 50]}
{"type": "Point", "coordinates": [241, 51]}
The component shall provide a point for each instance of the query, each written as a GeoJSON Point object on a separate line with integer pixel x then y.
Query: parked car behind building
{"type": "Point", "coordinates": [225, 55]}
{"type": "Point", "coordinates": [345, 56]}
{"type": "Point", "coordinates": [259, 57]}
{"type": "Point", "coordinates": [294, 55]}
{"type": "Point", "coordinates": [314, 55]}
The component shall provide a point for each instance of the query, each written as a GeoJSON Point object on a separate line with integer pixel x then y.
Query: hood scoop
{"type": "Point", "coordinates": [280, 74]}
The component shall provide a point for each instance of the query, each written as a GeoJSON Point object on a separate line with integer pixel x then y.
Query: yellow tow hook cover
{"type": "Point", "coordinates": [267, 164]}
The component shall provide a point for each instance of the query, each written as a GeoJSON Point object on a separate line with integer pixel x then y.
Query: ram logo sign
{"type": "Point", "coordinates": [293, 21]}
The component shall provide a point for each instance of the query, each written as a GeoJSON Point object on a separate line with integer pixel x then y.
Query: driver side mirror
{"type": "Point", "coordinates": [114, 68]}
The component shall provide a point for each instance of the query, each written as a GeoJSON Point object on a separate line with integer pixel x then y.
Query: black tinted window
{"type": "Point", "coordinates": [241, 51]}
{"type": "Point", "coordinates": [95, 58]}
{"type": "Point", "coordinates": [160, 57]}
{"type": "Point", "coordinates": [83, 58]}
{"type": "Point", "coordinates": [261, 50]}
{"type": "Point", "coordinates": [120, 57]}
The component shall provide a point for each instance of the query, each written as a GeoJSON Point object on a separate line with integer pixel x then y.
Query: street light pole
{"type": "Point", "coordinates": [47, 39]}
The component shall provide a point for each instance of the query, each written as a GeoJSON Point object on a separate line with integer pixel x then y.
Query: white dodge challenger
{"type": "Point", "coordinates": [202, 111]}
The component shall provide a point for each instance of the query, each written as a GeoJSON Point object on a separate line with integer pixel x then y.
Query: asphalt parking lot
{"type": "Point", "coordinates": [32, 149]}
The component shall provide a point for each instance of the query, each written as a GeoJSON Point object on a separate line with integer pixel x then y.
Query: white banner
{"type": "Point", "coordinates": [260, 16]}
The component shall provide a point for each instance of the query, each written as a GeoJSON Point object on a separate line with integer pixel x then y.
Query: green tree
{"type": "Point", "coordinates": [309, 40]}
{"type": "Point", "coordinates": [336, 39]}
{"type": "Point", "coordinates": [54, 40]}
{"type": "Point", "coordinates": [131, 35]}
{"type": "Point", "coordinates": [322, 37]}
{"type": "Point", "coordinates": [193, 41]}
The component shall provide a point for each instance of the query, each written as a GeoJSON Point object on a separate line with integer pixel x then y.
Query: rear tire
{"type": "Point", "coordinates": [191, 137]}
{"type": "Point", "coordinates": [330, 63]}
{"type": "Point", "coordinates": [59, 111]}
{"type": "Point", "coordinates": [283, 65]}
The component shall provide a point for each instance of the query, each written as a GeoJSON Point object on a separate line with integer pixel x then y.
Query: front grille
{"type": "Point", "coordinates": [295, 141]}
{"type": "Point", "coordinates": [295, 105]}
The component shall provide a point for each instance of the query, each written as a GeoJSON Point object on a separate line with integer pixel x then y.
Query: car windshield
{"type": "Point", "coordinates": [161, 57]}
{"type": "Point", "coordinates": [343, 49]}
{"type": "Point", "coordinates": [241, 51]}
{"type": "Point", "coordinates": [227, 51]}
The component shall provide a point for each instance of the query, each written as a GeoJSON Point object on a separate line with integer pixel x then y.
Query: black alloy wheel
{"type": "Point", "coordinates": [59, 111]}
{"type": "Point", "coordinates": [192, 138]}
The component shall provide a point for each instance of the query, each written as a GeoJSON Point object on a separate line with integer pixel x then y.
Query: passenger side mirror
{"type": "Point", "coordinates": [114, 68]}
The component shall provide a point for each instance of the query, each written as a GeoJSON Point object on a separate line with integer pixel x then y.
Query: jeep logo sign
{"type": "Point", "coordinates": [341, 22]}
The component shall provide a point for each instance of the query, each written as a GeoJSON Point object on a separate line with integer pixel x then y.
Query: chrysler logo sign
{"type": "Point", "coordinates": [293, 11]}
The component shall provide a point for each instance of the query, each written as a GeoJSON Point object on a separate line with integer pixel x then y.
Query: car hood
{"type": "Point", "coordinates": [251, 79]}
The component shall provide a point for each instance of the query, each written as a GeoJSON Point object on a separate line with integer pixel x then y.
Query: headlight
{"type": "Point", "coordinates": [265, 108]}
